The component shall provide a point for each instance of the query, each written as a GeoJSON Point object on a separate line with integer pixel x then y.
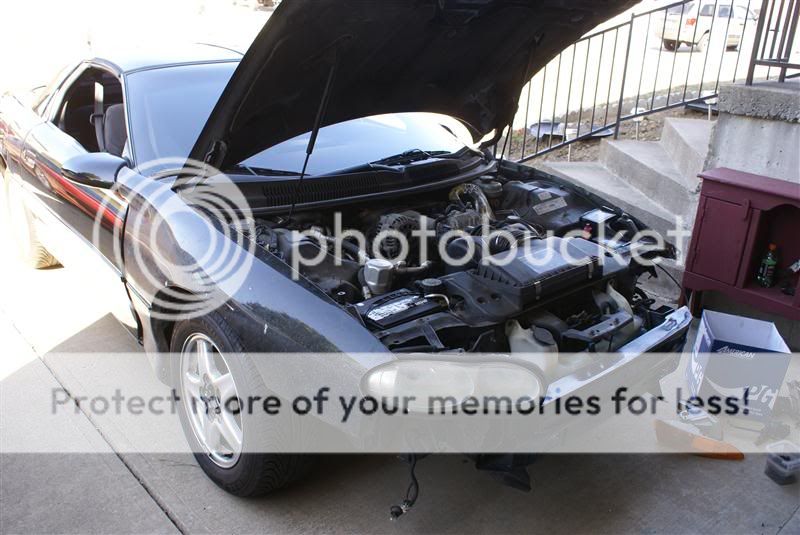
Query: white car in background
{"type": "Point", "coordinates": [692, 24]}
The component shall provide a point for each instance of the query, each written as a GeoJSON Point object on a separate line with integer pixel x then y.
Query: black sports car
{"type": "Point", "coordinates": [378, 117]}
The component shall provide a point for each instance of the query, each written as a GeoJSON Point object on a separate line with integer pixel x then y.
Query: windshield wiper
{"type": "Point", "coordinates": [263, 171]}
{"type": "Point", "coordinates": [410, 156]}
{"type": "Point", "coordinates": [391, 163]}
{"type": "Point", "coordinates": [244, 169]}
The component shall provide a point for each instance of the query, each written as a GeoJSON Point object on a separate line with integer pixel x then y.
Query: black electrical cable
{"type": "Point", "coordinates": [478, 341]}
{"type": "Point", "coordinates": [662, 268]}
{"type": "Point", "coordinates": [412, 493]}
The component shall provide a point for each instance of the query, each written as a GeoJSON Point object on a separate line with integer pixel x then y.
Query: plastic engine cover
{"type": "Point", "coordinates": [542, 269]}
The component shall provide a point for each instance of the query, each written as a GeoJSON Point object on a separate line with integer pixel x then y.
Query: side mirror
{"type": "Point", "coordinates": [96, 169]}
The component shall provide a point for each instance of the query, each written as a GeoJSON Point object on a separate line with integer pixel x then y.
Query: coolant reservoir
{"type": "Point", "coordinates": [536, 343]}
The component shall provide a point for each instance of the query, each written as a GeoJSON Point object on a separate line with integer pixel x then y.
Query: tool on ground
{"type": "Point", "coordinates": [783, 463]}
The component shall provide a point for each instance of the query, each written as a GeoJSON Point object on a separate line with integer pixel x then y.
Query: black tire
{"type": "Point", "coordinates": [254, 474]}
{"type": "Point", "coordinates": [670, 45]}
{"type": "Point", "coordinates": [22, 229]}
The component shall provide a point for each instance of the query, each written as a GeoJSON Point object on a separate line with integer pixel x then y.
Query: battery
{"type": "Point", "coordinates": [395, 308]}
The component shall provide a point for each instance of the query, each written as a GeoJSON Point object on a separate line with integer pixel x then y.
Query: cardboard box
{"type": "Point", "coordinates": [734, 353]}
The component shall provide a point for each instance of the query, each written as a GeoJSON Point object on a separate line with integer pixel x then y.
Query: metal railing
{"type": "Point", "coordinates": [664, 58]}
{"type": "Point", "coordinates": [774, 47]}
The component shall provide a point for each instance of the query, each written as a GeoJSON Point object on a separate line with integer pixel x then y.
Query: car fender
{"type": "Point", "coordinates": [271, 308]}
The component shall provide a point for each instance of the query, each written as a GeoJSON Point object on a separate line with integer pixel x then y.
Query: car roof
{"type": "Point", "coordinates": [134, 58]}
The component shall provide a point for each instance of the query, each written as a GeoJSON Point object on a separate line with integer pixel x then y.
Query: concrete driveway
{"type": "Point", "coordinates": [44, 314]}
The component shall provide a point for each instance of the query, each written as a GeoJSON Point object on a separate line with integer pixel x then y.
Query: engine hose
{"type": "Point", "coordinates": [351, 248]}
{"type": "Point", "coordinates": [356, 251]}
{"type": "Point", "coordinates": [476, 193]}
{"type": "Point", "coordinates": [402, 269]}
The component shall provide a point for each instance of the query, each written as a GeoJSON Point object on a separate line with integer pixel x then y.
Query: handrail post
{"type": "Point", "coordinates": [789, 24]}
{"type": "Point", "coordinates": [624, 76]}
{"type": "Point", "coordinates": [762, 16]}
{"type": "Point", "coordinates": [790, 38]}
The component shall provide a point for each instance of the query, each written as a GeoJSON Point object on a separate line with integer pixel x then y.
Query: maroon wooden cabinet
{"type": "Point", "coordinates": [738, 216]}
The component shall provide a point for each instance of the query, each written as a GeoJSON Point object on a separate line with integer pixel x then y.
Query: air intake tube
{"type": "Point", "coordinates": [478, 197]}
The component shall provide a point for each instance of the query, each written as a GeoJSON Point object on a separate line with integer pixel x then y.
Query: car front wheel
{"type": "Point", "coordinates": [212, 377]}
{"type": "Point", "coordinates": [670, 45]}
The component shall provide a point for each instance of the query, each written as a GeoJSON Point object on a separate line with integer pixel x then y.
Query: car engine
{"type": "Point", "coordinates": [491, 265]}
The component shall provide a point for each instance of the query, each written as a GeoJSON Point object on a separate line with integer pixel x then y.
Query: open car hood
{"type": "Point", "coordinates": [465, 58]}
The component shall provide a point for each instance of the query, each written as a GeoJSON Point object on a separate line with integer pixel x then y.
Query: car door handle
{"type": "Point", "coordinates": [28, 159]}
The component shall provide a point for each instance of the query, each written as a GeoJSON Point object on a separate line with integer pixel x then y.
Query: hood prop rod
{"type": "Point", "coordinates": [323, 108]}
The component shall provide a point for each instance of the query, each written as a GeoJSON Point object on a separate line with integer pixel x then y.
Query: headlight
{"type": "Point", "coordinates": [437, 384]}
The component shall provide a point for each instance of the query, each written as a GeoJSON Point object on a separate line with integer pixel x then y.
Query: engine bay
{"type": "Point", "coordinates": [495, 264]}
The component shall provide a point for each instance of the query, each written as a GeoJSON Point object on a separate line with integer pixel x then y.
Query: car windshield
{"type": "Point", "coordinates": [352, 143]}
{"type": "Point", "coordinates": [168, 108]}
{"type": "Point", "coordinates": [683, 8]}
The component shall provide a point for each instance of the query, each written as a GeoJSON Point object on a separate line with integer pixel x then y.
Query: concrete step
{"type": "Point", "coordinates": [687, 142]}
{"type": "Point", "coordinates": [646, 166]}
{"type": "Point", "coordinates": [600, 181]}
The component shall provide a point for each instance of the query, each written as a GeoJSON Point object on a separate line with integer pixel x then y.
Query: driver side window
{"type": "Point", "coordinates": [93, 114]}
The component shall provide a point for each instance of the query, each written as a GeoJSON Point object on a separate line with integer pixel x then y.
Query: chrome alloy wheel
{"type": "Point", "coordinates": [211, 400]}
